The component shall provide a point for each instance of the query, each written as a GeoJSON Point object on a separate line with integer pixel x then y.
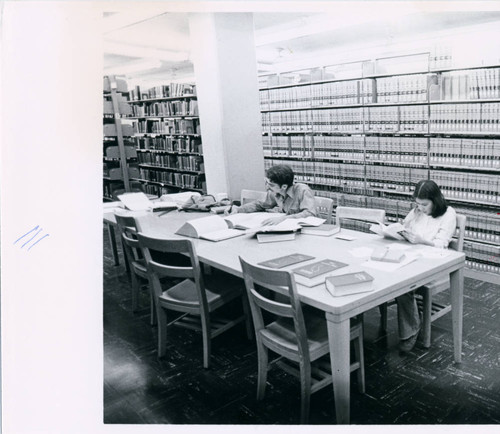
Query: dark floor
{"type": "Point", "coordinates": [424, 387]}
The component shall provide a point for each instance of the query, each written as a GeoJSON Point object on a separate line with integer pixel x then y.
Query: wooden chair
{"type": "Point", "coordinates": [251, 195]}
{"type": "Point", "coordinates": [297, 335]}
{"type": "Point", "coordinates": [195, 300]}
{"type": "Point", "coordinates": [127, 228]}
{"type": "Point", "coordinates": [358, 218]}
{"type": "Point", "coordinates": [431, 311]}
{"type": "Point", "coordinates": [324, 208]}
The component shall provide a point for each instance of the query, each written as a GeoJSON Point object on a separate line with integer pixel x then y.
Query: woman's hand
{"type": "Point", "coordinates": [414, 238]}
{"type": "Point", "coordinates": [274, 220]}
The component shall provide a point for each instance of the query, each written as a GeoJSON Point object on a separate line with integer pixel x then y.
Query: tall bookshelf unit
{"type": "Point", "coordinates": [119, 155]}
{"type": "Point", "coordinates": [365, 137]}
{"type": "Point", "coordinates": [168, 139]}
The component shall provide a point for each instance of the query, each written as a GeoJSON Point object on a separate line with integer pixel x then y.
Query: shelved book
{"type": "Point", "coordinates": [350, 283]}
{"type": "Point", "coordinates": [324, 230]}
{"type": "Point", "coordinates": [315, 274]}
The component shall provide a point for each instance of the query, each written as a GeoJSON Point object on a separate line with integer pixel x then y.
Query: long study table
{"type": "Point", "coordinates": [338, 310]}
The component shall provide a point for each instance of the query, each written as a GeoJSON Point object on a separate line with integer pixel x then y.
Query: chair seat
{"type": "Point", "coordinates": [282, 333]}
{"type": "Point", "coordinates": [185, 293]}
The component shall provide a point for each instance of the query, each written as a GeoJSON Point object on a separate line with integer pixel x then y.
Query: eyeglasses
{"type": "Point", "coordinates": [269, 183]}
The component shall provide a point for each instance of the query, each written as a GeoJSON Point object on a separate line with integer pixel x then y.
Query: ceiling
{"type": "Point", "coordinates": [155, 46]}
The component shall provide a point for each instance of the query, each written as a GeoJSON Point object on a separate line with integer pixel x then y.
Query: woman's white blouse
{"type": "Point", "coordinates": [439, 231]}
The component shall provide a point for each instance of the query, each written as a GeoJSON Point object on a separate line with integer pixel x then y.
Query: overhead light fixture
{"type": "Point", "coordinates": [133, 67]}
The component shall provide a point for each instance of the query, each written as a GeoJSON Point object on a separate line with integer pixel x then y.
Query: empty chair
{"type": "Point", "coordinates": [431, 311]}
{"type": "Point", "coordinates": [127, 229]}
{"type": "Point", "coordinates": [252, 195]}
{"type": "Point", "coordinates": [324, 208]}
{"type": "Point", "coordinates": [359, 219]}
{"type": "Point", "coordinates": [298, 335]}
{"type": "Point", "coordinates": [194, 298]}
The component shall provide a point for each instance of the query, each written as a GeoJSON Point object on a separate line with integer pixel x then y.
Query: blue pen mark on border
{"type": "Point", "coordinates": [37, 229]}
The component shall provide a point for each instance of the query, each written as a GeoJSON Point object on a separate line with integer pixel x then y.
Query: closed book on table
{"type": "Point", "coordinates": [273, 237]}
{"type": "Point", "coordinates": [350, 283]}
{"type": "Point", "coordinates": [324, 230]}
{"type": "Point", "coordinates": [315, 274]}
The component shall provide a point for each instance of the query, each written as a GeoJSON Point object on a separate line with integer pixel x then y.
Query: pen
{"type": "Point", "coordinates": [164, 212]}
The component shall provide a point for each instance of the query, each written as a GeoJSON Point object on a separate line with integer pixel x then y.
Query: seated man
{"type": "Point", "coordinates": [283, 196]}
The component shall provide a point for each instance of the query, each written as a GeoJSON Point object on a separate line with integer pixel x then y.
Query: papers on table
{"type": "Point", "coordinates": [140, 202]}
{"type": "Point", "coordinates": [391, 266]}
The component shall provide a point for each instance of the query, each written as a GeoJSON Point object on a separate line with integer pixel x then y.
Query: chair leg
{"type": "Point", "coordinates": [426, 316]}
{"type": "Point", "coordinates": [152, 309]}
{"type": "Point", "coordinates": [136, 287]}
{"type": "Point", "coordinates": [305, 391]}
{"type": "Point", "coordinates": [162, 331]}
{"type": "Point", "coordinates": [263, 358]}
{"type": "Point", "coordinates": [360, 357]}
{"type": "Point", "coordinates": [207, 341]}
{"type": "Point", "coordinates": [248, 319]}
{"type": "Point", "coordinates": [383, 316]}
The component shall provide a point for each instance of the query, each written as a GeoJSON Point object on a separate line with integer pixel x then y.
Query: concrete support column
{"type": "Point", "coordinates": [223, 52]}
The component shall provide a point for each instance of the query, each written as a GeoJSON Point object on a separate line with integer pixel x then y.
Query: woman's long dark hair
{"type": "Point", "coordinates": [428, 189]}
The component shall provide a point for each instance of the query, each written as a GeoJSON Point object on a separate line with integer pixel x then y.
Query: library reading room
{"type": "Point", "coordinates": [300, 215]}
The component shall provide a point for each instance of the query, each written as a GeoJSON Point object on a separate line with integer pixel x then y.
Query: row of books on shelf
{"type": "Point", "coordinates": [166, 108]}
{"type": "Point", "coordinates": [482, 257]}
{"type": "Point", "coordinates": [477, 153]}
{"type": "Point", "coordinates": [477, 117]}
{"type": "Point", "coordinates": [471, 84]}
{"type": "Point", "coordinates": [164, 91]}
{"type": "Point", "coordinates": [167, 126]}
{"type": "Point", "coordinates": [468, 186]}
{"type": "Point", "coordinates": [170, 144]}
{"type": "Point", "coordinates": [182, 180]}
{"type": "Point", "coordinates": [187, 162]}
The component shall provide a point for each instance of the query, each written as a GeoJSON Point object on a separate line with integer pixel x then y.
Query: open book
{"type": "Point", "coordinates": [394, 231]}
{"type": "Point", "coordinates": [140, 202]}
{"type": "Point", "coordinates": [253, 222]}
{"type": "Point", "coordinates": [212, 228]}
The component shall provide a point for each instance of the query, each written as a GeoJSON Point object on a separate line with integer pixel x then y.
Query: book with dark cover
{"type": "Point", "coordinates": [350, 283]}
{"type": "Point", "coordinates": [316, 273]}
{"type": "Point", "coordinates": [284, 261]}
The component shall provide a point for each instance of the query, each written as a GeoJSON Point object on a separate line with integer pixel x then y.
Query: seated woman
{"type": "Point", "coordinates": [283, 196]}
{"type": "Point", "coordinates": [432, 222]}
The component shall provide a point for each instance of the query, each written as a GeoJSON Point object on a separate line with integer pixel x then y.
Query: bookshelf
{"type": "Point", "coordinates": [119, 154]}
{"type": "Point", "coordinates": [365, 138]}
{"type": "Point", "coordinates": [167, 138]}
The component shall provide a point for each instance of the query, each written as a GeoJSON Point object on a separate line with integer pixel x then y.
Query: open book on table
{"type": "Point", "coordinates": [212, 228]}
{"type": "Point", "coordinates": [140, 202]}
{"type": "Point", "coordinates": [394, 231]}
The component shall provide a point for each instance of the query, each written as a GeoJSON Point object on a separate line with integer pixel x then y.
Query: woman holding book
{"type": "Point", "coordinates": [431, 222]}
{"type": "Point", "coordinates": [283, 196]}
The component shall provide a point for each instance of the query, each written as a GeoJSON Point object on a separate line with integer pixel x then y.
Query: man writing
{"type": "Point", "coordinates": [283, 196]}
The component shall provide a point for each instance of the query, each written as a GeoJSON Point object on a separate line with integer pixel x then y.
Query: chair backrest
{"type": "Point", "coordinates": [288, 306]}
{"type": "Point", "coordinates": [158, 269]}
{"type": "Point", "coordinates": [251, 195]}
{"type": "Point", "coordinates": [358, 218]}
{"type": "Point", "coordinates": [324, 208]}
{"type": "Point", "coordinates": [127, 228]}
{"type": "Point", "coordinates": [457, 243]}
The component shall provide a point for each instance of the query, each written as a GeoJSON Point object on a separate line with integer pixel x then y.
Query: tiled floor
{"type": "Point", "coordinates": [424, 387]}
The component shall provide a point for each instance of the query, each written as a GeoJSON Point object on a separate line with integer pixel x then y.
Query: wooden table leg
{"type": "Point", "coordinates": [112, 241]}
{"type": "Point", "coordinates": [339, 339]}
{"type": "Point", "coordinates": [457, 308]}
